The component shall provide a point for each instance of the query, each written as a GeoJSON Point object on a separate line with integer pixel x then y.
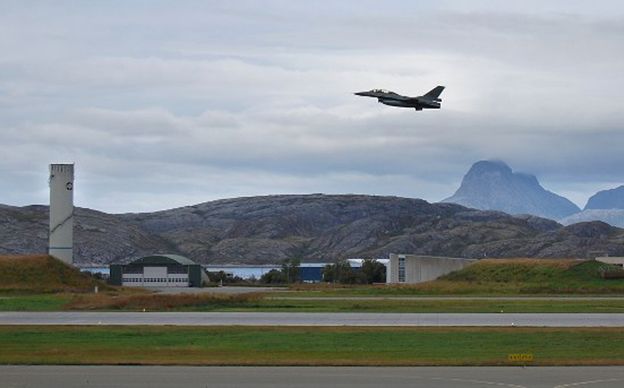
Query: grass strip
{"type": "Point", "coordinates": [255, 302]}
{"type": "Point", "coordinates": [45, 302]}
{"type": "Point", "coordinates": [434, 306]}
{"type": "Point", "coordinates": [308, 345]}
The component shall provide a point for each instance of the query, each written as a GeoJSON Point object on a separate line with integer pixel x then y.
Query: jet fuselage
{"type": "Point", "coordinates": [430, 100]}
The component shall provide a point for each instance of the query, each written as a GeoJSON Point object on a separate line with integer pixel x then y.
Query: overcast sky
{"type": "Point", "coordinates": [169, 103]}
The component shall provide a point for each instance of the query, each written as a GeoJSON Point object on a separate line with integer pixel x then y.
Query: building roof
{"type": "Point", "coordinates": [163, 260]}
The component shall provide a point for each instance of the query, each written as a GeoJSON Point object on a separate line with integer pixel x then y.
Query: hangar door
{"type": "Point", "coordinates": [156, 277]}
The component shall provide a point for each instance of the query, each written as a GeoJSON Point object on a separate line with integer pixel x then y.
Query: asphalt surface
{"type": "Point", "coordinates": [309, 319]}
{"type": "Point", "coordinates": [310, 377]}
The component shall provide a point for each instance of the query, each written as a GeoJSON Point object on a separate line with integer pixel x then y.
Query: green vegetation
{"type": "Point", "coordinates": [528, 271]}
{"type": "Point", "coordinates": [451, 305]}
{"type": "Point", "coordinates": [162, 302]}
{"type": "Point", "coordinates": [266, 303]}
{"type": "Point", "coordinates": [540, 276]}
{"type": "Point", "coordinates": [27, 283]}
{"type": "Point", "coordinates": [340, 272]}
{"type": "Point", "coordinates": [45, 302]}
{"type": "Point", "coordinates": [371, 272]}
{"type": "Point", "coordinates": [43, 283]}
{"type": "Point", "coordinates": [493, 277]}
{"type": "Point", "coordinates": [129, 302]}
{"type": "Point", "coordinates": [289, 273]}
{"type": "Point", "coordinates": [308, 345]}
{"type": "Point", "coordinates": [38, 274]}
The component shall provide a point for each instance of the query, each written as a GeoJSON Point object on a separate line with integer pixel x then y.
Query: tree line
{"type": "Point", "coordinates": [341, 272]}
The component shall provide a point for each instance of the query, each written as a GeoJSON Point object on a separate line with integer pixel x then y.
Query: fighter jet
{"type": "Point", "coordinates": [430, 100]}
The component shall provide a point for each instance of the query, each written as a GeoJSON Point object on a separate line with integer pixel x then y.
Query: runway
{"type": "Point", "coordinates": [310, 319]}
{"type": "Point", "coordinates": [310, 377]}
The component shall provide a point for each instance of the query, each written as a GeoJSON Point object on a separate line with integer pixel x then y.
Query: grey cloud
{"type": "Point", "coordinates": [161, 105]}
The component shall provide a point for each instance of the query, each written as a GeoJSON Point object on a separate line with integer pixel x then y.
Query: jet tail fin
{"type": "Point", "coordinates": [434, 93]}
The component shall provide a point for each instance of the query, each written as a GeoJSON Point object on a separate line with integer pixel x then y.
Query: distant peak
{"type": "Point", "coordinates": [607, 199]}
{"type": "Point", "coordinates": [492, 185]}
{"type": "Point", "coordinates": [493, 166]}
{"type": "Point", "coordinates": [490, 165]}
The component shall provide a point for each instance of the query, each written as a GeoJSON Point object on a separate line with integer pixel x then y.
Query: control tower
{"type": "Point", "coordinates": [62, 212]}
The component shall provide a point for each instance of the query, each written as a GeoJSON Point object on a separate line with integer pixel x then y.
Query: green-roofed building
{"type": "Point", "coordinates": [157, 271]}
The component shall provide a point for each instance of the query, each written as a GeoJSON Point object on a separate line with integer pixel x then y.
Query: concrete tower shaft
{"type": "Point", "coordinates": [62, 212]}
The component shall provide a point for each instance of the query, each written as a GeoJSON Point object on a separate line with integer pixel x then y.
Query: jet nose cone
{"type": "Point", "coordinates": [361, 93]}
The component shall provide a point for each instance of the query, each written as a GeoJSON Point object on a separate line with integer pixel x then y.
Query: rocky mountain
{"type": "Point", "coordinates": [492, 185]}
{"type": "Point", "coordinates": [99, 237]}
{"type": "Point", "coordinates": [607, 199]}
{"type": "Point", "coordinates": [312, 227]}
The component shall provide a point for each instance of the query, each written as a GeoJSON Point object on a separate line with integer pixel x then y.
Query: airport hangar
{"type": "Point", "coordinates": [158, 271]}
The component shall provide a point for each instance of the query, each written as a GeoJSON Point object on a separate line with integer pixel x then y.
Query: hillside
{"type": "Point", "coordinates": [312, 227]}
{"type": "Point", "coordinates": [42, 273]}
{"type": "Point", "coordinates": [535, 276]}
{"type": "Point", "coordinates": [492, 185]}
{"type": "Point", "coordinates": [99, 237]}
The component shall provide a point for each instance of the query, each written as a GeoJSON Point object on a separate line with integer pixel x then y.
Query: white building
{"type": "Point", "coordinates": [417, 269]}
{"type": "Point", "coordinates": [611, 260]}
